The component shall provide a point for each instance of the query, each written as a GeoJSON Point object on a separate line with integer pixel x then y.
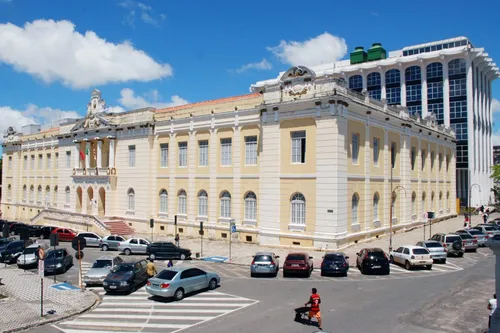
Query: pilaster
{"type": "Point", "coordinates": [212, 164]}
{"type": "Point", "coordinates": [237, 195]}
{"type": "Point", "coordinates": [172, 166]}
{"type": "Point", "coordinates": [446, 94]}
{"type": "Point", "coordinates": [192, 196]}
{"type": "Point", "coordinates": [387, 179]}
{"type": "Point", "coordinates": [423, 73]}
{"type": "Point", "coordinates": [368, 197]}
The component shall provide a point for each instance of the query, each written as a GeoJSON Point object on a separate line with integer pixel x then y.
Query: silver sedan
{"type": "Point", "coordinates": [175, 282]}
{"type": "Point", "coordinates": [436, 249]}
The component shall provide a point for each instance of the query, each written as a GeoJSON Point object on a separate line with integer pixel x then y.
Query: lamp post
{"type": "Point", "coordinates": [470, 192]}
{"type": "Point", "coordinates": [390, 214]}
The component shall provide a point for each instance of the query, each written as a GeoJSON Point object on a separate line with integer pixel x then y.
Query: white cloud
{"type": "Point", "coordinates": [495, 138]}
{"type": "Point", "coordinates": [54, 51]}
{"type": "Point", "coordinates": [324, 48]}
{"type": "Point", "coordinates": [138, 9]}
{"type": "Point", "coordinates": [262, 65]}
{"type": "Point", "coordinates": [131, 101]}
{"type": "Point", "coordinates": [495, 105]}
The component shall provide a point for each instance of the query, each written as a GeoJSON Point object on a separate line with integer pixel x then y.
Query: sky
{"type": "Point", "coordinates": [166, 53]}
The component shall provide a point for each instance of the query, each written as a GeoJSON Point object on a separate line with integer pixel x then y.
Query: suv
{"type": "Point", "coordinates": [110, 242]}
{"type": "Point", "coordinates": [451, 242]}
{"type": "Point", "coordinates": [167, 250]}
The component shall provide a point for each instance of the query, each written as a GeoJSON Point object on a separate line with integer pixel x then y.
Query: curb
{"type": "Point", "coordinates": [53, 320]}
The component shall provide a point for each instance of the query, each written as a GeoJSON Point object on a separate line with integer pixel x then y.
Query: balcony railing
{"type": "Point", "coordinates": [93, 172]}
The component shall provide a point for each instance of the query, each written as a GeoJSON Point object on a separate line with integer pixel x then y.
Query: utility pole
{"type": "Point", "coordinates": [390, 215]}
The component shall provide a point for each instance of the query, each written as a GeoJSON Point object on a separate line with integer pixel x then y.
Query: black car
{"type": "Point", "coordinates": [126, 277]}
{"type": "Point", "coordinates": [5, 241]}
{"type": "Point", "coordinates": [46, 231]}
{"type": "Point", "coordinates": [35, 230]}
{"type": "Point", "coordinates": [16, 227]}
{"type": "Point", "coordinates": [370, 260]}
{"type": "Point", "coordinates": [168, 251]}
{"type": "Point", "coordinates": [57, 261]}
{"type": "Point", "coordinates": [11, 251]}
{"type": "Point", "coordinates": [335, 263]}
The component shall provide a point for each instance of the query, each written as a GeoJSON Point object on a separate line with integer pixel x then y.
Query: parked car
{"type": "Point", "coordinates": [110, 242]}
{"type": "Point", "coordinates": [29, 257]}
{"type": "Point", "coordinates": [412, 256]}
{"type": "Point", "coordinates": [5, 241]}
{"type": "Point", "coordinates": [478, 235]}
{"type": "Point", "coordinates": [11, 251]}
{"type": "Point", "coordinates": [35, 230]}
{"type": "Point", "coordinates": [58, 261]}
{"type": "Point", "coordinates": [372, 260]}
{"type": "Point", "coordinates": [452, 242]}
{"type": "Point", "coordinates": [489, 230]}
{"type": "Point", "coordinates": [46, 231]}
{"type": "Point", "coordinates": [469, 243]}
{"type": "Point", "coordinates": [15, 227]}
{"type": "Point", "coordinates": [335, 263]}
{"type": "Point", "coordinates": [436, 249]}
{"type": "Point", "coordinates": [178, 281]}
{"type": "Point", "coordinates": [134, 245]}
{"type": "Point", "coordinates": [266, 263]}
{"type": "Point", "coordinates": [65, 234]}
{"type": "Point", "coordinates": [100, 269]}
{"type": "Point", "coordinates": [168, 251]}
{"type": "Point", "coordinates": [92, 239]}
{"type": "Point", "coordinates": [300, 263]}
{"type": "Point", "coordinates": [126, 277]}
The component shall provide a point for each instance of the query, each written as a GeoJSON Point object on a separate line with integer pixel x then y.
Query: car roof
{"type": "Point", "coordinates": [373, 249]}
{"type": "Point", "coordinates": [106, 257]}
{"type": "Point", "coordinates": [264, 254]}
{"type": "Point", "coordinates": [411, 247]}
{"type": "Point", "coordinates": [335, 254]}
{"type": "Point", "coordinates": [297, 254]}
{"type": "Point", "coordinates": [430, 241]}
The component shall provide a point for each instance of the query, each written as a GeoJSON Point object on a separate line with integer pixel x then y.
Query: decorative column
{"type": "Point", "coordinates": [494, 245]}
{"type": "Point", "coordinates": [368, 200]}
{"type": "Point", "coordinates": [402, 84]}
{"type": "Point", "coordinates": [423, 74]}
{"type": "Point", "coordinates": [471, 176]}
{"type": "Point", "coordinates": [446, 95]}
{"type": "Point", "coordinates": [76, 158]}
{"type": "Point", "coordinates": [383, 93]}
{"type": "Point", "coordinates": [99, 153]}
{"type": "Point", "coordinates": [111, 152]}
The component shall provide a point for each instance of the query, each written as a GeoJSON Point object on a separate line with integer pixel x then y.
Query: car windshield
{"type": "Point", "coordinates": [30, 250]}
{"type": "Point", "coordinates": [263, 258]}
{"type": "Point", "coordinates": [124, 268]}
{"type": "Point", "coordinates": [489, 228]}
{"type": "Point", "coordinates": [376, 254]}
{"type": "Point", "coordinates": [475, 232]}
{"type": "Point", "coordinates": [465, 236]}
{"type": "Point", "coordinates": [451, 239]}
{"type": "Point", "coordinates": [102, 263]}
{"type": "Point", "coordinates": [167, 274]}
{"type": "Point", "coordinates": [420, 251]}
{"type": "Point", "coordinates": [295, 257]}
{"type": "Point", "coordinates": [334, 257]}
{"type": "Point", "coordinates": [54, 255]}
{"type": "Point", "coordinates": [433, 244]}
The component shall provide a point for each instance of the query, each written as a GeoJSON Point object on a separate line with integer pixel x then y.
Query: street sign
{"type": "Point", "coordinates": [74, 243]}
{"type": "Point", "coordinates": [233, 228]}
{"type": "Point", "coordinates": [424, 216]}
{"type": "Point", "coordinates": [430, 215]}
{"type": "Point", "coordinates": [41, 268]}
{"type": "Point", "coordinates": [41, 254]}
{"type": "Point", "coordinates": [79, 255]}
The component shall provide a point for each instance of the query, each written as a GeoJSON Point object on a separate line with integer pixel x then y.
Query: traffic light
{"type": "Point", "coordinates": [151, 223]}
{"type": "Point", "coordinates": [54, 240]}
{"type": "Point", "coordinates": [430, 215]}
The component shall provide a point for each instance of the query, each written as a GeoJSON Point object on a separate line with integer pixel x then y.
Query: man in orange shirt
{"type": "Point", "coordinates": [315, 301]}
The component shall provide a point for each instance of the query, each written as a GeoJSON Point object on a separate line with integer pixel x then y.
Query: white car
{"type": "Point", "coordinates": [134, 245]}
{"type": "Point", "coordinates": [28, 257]}
{"type": "Point", "coordinates": [412, 256]}
{"type": "Point", "coordinates": [92, 238]}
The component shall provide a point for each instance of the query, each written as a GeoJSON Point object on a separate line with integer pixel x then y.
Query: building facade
{"type": "Point", "coordinates": [450, 79]}
{"type": "Point", "coordinates": [305, 161]}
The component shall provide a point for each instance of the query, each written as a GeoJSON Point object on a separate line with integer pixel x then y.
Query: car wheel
{"type": "Point", "coordinates": [105, 247]}
{"type": "Point", "coordinates": [461, 254]}
{"type": "Point", "coordinates": [276, 273]}
{"type": "Point", "coordinates": [183, 256]}
{"type": "Point", "coordinates": [429, 267]}
{"type": "Point", "coordinates": [363, 271]}
{"type": "Point", "coordinates": [407, 265]}
{"type": "Point", "coordinates": [179, 294]}
{"type": "Point", "coordinates": [391, 259]}
{"type": "Point", "coordinates": [212, 284]}
{"type": "Point", "coordinates": [127, 252]}
{"type": "Point", "coordinates": [152, 256]}
{"type": "Point", "coordinates": [345, 274]}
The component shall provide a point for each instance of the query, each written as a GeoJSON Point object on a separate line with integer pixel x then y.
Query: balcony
{"type": "Point", "coordinates": [101, 175]}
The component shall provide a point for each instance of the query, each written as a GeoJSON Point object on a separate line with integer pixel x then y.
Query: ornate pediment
{"type": "Point", "coordinates": [92, 121]}
{"type": "Point", "coordinates": [295, 72]}
{"type": "Point", "coordinates": [297, 81]}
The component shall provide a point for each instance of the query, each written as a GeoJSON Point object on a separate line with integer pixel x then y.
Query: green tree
{"type": "Point", "coordinates": [495, 173]}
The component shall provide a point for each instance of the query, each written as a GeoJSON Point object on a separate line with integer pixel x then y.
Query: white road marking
{"type": "Point", "coordinates": [109, 323]}
{"type": "Point", "coordinates": [175, 304]}
{"type": "Point", "coordinates": [66, 330]}
{"type": "Point", "coordinates": [398, 269]}
{"type": "Point", "coordinates": [132, 316]}
{"type": "Point", "coordinates": [127, 310]}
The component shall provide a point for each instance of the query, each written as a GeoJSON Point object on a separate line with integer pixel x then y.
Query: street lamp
{"type": "Point", "coordinates": [390, 214]}
{"type": "Point", "coordinates": [470, 192]}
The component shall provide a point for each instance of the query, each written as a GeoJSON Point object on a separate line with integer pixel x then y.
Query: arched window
{"type": "Point", "coordinates": [456, 66]}
{"type": "Point", "coordinates": [423, 201]}
{"type": "Point", "coordinates": [413, 73]}
{"type": "Point", "coordinates": [163, 201]}
{"type": "Point", "coordinates": [182, 202]}
{"type": "Point", "coordinates": [373, 79]}
{"type": "Point", "coordinates": [9, 192]}
{"type": "Point", "coordinates": [32, 193]}
{"type": "Point", "coordinates": [54, 201]}
{"type": "Point", "coordinates": [131, 199]}
{"type": "Point", "coordinates": [67, 193]}
{"type": "Point", "coordinates": [413, 204]}
{"type": "Point", "coordinates": [435, 70]}
{"type": "Point", "coordinates": [432, 201]}
{"type": "Point", "coordinates": [356, 82]}
{"type": "Point", "coordinates": [39, 194]}
{"type": "Point", "coordinates": [393, 89]}
{"type": "Point", "coordinates": [250, 206]}
{"type": "Point", "coordinates": [446, 203]}
{"type": "Point", "coordinates": [47, 194]}
{"type": "Point", "coordinates": [355, 204]}
{"type": "Point", "coordinates": [202, 203]}
{"type": "Point", "coordinates": [376, 199]}
{"type": "Point", "coordinates": [25, 193]}
{"type": "Point", "coordinates": [298, 204]}
{"type": "Point", "coordinates": [392, 76]}
{"type": "Point", "coordinates": [440, 199]}
{"type": "Point", "coordinates": [225, 204]}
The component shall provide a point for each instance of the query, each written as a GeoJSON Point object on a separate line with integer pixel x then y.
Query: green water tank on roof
{"type": "Point", "coordinates": [358, 55]}
{"type": "Point", "coordinates": [376, 52]}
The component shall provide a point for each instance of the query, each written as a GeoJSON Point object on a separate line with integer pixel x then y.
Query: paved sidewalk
{"type": "Point", "coordinates": [242, 253]}
{"type": "Point", "coordinates": [21, 309]}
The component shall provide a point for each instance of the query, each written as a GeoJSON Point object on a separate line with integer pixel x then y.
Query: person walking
{"type": "Point", "coordinates": [151, 268]}
{"type": "Point", "coordinates": [170, 264]}
{"type": "Point", "coordinates": [177, 240]}
{"type": "Point", "coordinates": [315, 301]}
{"type": "Point", "coordinates": [492, 305]}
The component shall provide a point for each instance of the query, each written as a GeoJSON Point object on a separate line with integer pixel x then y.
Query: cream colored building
{"type": "Point", "coordinates": [303, 161]}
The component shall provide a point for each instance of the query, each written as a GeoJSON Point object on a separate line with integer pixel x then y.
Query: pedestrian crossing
{"type": "Point", "coordinates": [139, 312]}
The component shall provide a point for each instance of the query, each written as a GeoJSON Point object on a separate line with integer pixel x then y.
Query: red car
{"type": "Point", "coordinates": [65, 234]}
{"type": "Point", "coordinates": [299, 263]}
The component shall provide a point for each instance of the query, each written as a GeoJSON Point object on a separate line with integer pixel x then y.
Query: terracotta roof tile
{"type": "Point", "coordinates": [209, 102]}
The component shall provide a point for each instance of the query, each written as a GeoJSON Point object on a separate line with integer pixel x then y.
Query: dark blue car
{"type": "Point", "coordinates": [335, 263]}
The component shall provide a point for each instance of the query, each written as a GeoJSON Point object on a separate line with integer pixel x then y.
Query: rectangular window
{"type": "Point", "coordinates": [183, 147]}
{"type": "Point", "coordinates": [437, 109]}
{"type": "Point", "coordinates": [434, 90]}
{"type": "Point", "coordinates": [458, 87]}
{"type": "Point", "coordinates": [414, 93]}
{"type": "Point", "coordinates": [225, 151]}
{"type": "Point", "coordinates": [10, 163]}
{"type": "Point", "coordinates": [458, 110]}
{"type": "Point", "coordinates": [40, 162]}
{"type": "Point", "coordinates": [462, 154]}
{"type": "Point", "coordinates": [48, 164]}
{"type": "Point", "coordinates": [424, 156]}
{"type": "Point", "coordinates": [415, 110]}
{"type": "Point", "coordinates": [413, 157]}
{"type": "Point", "coordinates": [251, 150]}
{"type": "Point", "coordinates": [393, 95]}
{"type": "Point", "coordinates": [375, 94]}
{"type": "Point", "coordinates": [32, 166]}
{"type": "Point", "coordinates": [203, 153]}
{"type": "Point", "coordinates": [440, 161]}
{"type": "Point", "coordinates": [68, 160]}
{"type": "Point", "coordinates": [376, 151]}
{"type": "Point", "coordinates": [131, 156]}
{"type": "Point", "coordinates": [163, 155]}
{"type": "Point", "coordinates": [460, 130]}
{"type": "Point", "coordinates": [25, 163]}
{"type": "Point", "coordinates": [299, 147]}
{"type": "Point", "coordinates": [433, 157]}
{"type": "Point", "coordinates": [393, 154]}
{"type": "Point", "coordinates": [56, 162]}
{"type": "Point", "coordinates": [355, 148]}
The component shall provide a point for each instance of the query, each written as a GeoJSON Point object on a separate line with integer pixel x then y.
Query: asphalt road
{"type": "Point", "coordinates": [416, 302]}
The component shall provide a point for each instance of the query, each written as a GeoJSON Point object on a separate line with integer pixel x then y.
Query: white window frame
{"type": "Point", "coordinates": [251, 150]}
{"type": "Point", "coordinates": [40, 161]}
{"type": "Point", "coordinates": [376, 150]}
{"type": "Point", "coordinates": [9, 163]}
{"type": "Point", "coordinates": [376, 200]}
{"type": "Point", "coordinates": [56, 161]}
{"type": "Point", "coordinates": [54, 198]}
{"type": "Point", "coordinates": [48, 162]}
{"type": "Point", "coordinates": [25, 162]}
{"type": "Point", "coordinates": [354, 209]}
{"type": "Point", "coordinates": [163, 155]}
{"type": "Point", "coordinates": [9, 192]}
{"type": "Point", "coordinates": [131, 157]}
{"type": "Point", "coordinates": [67, 193]}
{"type": "Point", "coordinates": [163, 201]}
{"type": "Point", "coordinates": [32, 193]}
{"type": "Point", "coordinates": [226, 151]}
{"type": "Point", "coordinates": [131, 200]}
{"type": "Point", "coordinates": [298, 147]}
{"type": "Point", "coordinates": [250, 206]}
{"type": "Point", "coordinates": [422, 201]}
{"type": "Point", "coordinates": [413, 204]}
{"type": "Point", "coordinates": [39, 194]}
{"type": "Point", "coordinates": [47, 195]}
{"type": "Point", "coordinates": [182, 203]}
{"type": "Point", "coordinates": [183, 147]}
{"type": "Point", "coordinates": [68, 159]}
{"type": "Point", "coordinates": [298, 210]}
{"type": "Point", "coordinates": [225, 204]}
{"type": "Point", "coordinates": [32, 162]}
{"type": "Point", "coordinates": [25, 193]}
{"type": "Point", "coordinates": [203, 203]}
{"type": "Point", "coordinates": [203, 153]}
{"type": "Point", "coordinates": [355, 148]}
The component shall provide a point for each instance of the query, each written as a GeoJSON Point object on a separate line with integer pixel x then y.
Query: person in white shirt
{"type": "Point", "coordinates": [492, 305]}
